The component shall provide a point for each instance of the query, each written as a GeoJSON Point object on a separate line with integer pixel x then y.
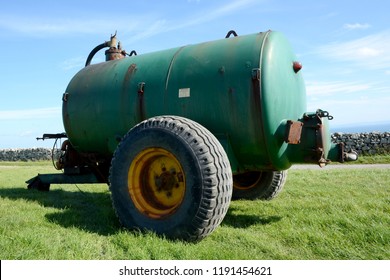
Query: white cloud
{"type": "Point", "coordinates": [159, 26]}
{"type": "Point", "coordinates": [44, 27]}
{"type": "Point", "coordinates": [364, 52]}
{"type": "Point", "coordinates": [353, 26]}
{"type": "Point", "coordinates": [73, 63]}
{"type": "Point", "coordinates": [371, 52]}
{"type": "Point", "coordinates": [156, 27]}
{"type": "Point", "coordinates": [222, 11]}
{"type": "Point", "coordinates": [321, 88]}
{"type": "Point", "coordinates": [228, 8]}
{"type": "Point", "coordinates": [38, 113]}
{"type": "Point", "coordinates": [26, 133]}
{"type": "Point", "coordinates": [350, 101]}
{"type": "Point", "coordinates": [140, 26]}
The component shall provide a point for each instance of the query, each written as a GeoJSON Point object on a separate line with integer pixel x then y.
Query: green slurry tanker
{"type": "Point", "coordinates": [177, 134]}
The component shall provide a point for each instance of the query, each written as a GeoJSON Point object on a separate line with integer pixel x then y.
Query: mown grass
{"type": "Point", "coordinates": [321, 214]}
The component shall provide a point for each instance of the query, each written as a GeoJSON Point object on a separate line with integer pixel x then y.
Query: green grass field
{"type": "Point", "coordinates": [320, 214]}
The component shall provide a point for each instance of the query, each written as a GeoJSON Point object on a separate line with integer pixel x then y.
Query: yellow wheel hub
{"type": "Point", "coordinates": [156, 183]}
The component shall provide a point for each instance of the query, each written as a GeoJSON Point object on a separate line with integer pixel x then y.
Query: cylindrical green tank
{"type": "Point", "coordinates": [244, 89]}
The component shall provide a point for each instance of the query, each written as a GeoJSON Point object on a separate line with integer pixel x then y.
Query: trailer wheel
{"type": "Point", "coordinates": [264, 185]}
{"type": "Point", "coordinates": [171, 176]}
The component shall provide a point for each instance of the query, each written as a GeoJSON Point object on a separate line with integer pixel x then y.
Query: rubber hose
{"type": "Point", "coordinates": [94, 51]}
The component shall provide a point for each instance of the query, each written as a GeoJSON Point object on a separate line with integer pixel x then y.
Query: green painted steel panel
{"type": "Point", "coordinates": [283, 95]}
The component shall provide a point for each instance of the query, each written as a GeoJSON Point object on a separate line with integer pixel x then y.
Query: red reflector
{"type": "Point", "coordinates": [297, 66]}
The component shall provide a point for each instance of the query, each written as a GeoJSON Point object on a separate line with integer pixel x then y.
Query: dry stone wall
{"type": "Point", "coordinates": [33, 154]}
{"type": "Point", "coordinates": [364, 143]}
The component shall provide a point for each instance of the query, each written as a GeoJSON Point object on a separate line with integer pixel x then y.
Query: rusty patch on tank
{"type": "Point", "coordinates": [130, 72]}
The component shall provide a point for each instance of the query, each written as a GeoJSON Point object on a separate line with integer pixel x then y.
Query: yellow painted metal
{"type": "Point", "coordinates": [156, 183]}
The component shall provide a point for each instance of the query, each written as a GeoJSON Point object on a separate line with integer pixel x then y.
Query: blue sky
{"type": "Point", "coordinates": [344, 47]}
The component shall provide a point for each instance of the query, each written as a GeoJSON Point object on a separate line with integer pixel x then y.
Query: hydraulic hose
{"type": "Point", "coordinates": [94, 51]}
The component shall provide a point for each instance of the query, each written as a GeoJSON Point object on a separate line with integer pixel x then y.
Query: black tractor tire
{"type": "Point", "coordinates": [264, 185]}
{"type": "Point", "coordinates": [170, 175]}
